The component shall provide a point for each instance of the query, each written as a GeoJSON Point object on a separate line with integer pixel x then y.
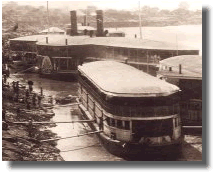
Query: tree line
{"type": "Point", "coordinates": [34, 19]}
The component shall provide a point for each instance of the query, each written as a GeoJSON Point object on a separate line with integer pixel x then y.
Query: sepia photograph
{"type": "Point", "coordinates": [102, 81]}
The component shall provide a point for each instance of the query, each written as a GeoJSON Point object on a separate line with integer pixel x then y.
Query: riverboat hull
{"type": "Point", "coordinates": [135, 151]}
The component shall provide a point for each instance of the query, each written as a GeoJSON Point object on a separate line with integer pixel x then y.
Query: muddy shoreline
{"type": "Point", "coordinates": [23, 141]}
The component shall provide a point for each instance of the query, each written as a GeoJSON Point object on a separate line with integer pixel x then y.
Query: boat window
{"type": "Point", "coordinates": [119, 124]}
{"type": "Point", "coordinates": [112, 122]}
{"type": "Point", "coordinates": [113, 135]}
{"type": "Point", "coordinates": [127, 125]}
{"type": "Point", "coordinates": [121, 51]}
{"type": "Point", "coordinates": [133, 52]}
{"type": "Point", "coordinates": [116, 51]}
{"type": "Point", "coordinates": [141, 53]}
{"type": "Point", "coordinates": [108, 120]}
{"type": "Point", "coordinates": [125, 52]}
{"type": "Point", "coordinates": [176, 123]}
{"type": "Point", "coordinates": [179, 120]}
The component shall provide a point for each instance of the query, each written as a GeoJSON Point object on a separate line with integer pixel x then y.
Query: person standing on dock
{"type": "Point", "coordinates": [18, 111]}
{"type": "Point", "coordinates": [4, 78]}
{"type": "Point", "coordinates": [16, 91]}
{"type": "Point", "coordinates": [34, 99]}
{"type": "Point", "coordinates": [41, 91]}
{"type": "Point", "coordinates": [30, 128]}
{"type": "Point", "coordinates": [51, 100]}
{"type": "Point", "coordinates": [30, 84]}
{"type": "Point", "coordinates": [14, 86]}
{"type": "Point", "coordinates": [27, 94]}
{"type": "Point", "coordinates": [39, 100]}
{"type": "Point", "coordinates": [28, 104]}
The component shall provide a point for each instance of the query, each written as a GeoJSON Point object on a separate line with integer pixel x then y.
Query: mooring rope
{"type": "Point", "coordinates": [55, 139]}
{"type": "Point", "coordinates": [97, 144]}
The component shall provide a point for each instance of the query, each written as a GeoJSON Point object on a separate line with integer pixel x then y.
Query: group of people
{"type": "Point", "coordinates": [29, 97]}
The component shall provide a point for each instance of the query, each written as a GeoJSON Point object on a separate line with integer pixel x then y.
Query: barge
{"type": "Point", "coordinates": [186, 72]}
{"type": "Point", "coordinates": [136, 112]}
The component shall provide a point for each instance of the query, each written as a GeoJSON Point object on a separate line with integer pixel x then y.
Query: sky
{"type": "Point", "coordinates": [118, 5]}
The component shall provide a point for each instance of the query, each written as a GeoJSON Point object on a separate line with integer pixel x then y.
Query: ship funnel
{"type": "Point", "coordinates": [73, 23]}
{"type": "Point", "coordinates": [99, 23]}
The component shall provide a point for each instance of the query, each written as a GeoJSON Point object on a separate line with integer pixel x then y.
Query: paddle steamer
{"type": "Point", "coordinates": [59, 55]}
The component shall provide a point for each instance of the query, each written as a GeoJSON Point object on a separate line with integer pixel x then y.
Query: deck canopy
{"type": "Point", "coordinates": [25, 43]}
{"type": "Point", "coordinates": [30, 38]}
{"type": "Point", "coordinates": [110, 41]}
{"type": "Point", "coordinates": [118, 79]}
{"type": "Point", "coordinates": [59, 40]}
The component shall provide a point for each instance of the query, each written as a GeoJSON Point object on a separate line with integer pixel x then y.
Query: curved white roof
{"type": "Point", "coordinates": [59, 40]}
{"type": "Point", "coordinates": [123, 80]}
{"type": "Point", "coordinates": [191, 66]}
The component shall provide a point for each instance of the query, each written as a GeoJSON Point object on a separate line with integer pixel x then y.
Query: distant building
{"type": "Point", "coordinates": [81, 30]}
{"type": "Point", "coordinates": [53, 30]}
{"type": "Point", "coordinates": [116, 34]}
{"type": "Point", "coordinates": [186, 72]}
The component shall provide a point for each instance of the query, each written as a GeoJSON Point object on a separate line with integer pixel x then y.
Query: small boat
{"type": "Point", "coordinates": [65, 100]}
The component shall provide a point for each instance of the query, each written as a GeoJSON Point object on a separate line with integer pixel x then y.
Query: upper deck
{"type": "Point", "coordinates": [118, 79]}
{"type": "Point", "coordinates": [60, 40]}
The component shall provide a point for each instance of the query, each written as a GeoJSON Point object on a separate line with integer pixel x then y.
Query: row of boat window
{"type": "Point", "coordinates": [118, 123]}
{"type": "Point", "coordinates": [132, 111]}
{"type": "Point", "coordinates": [195, 115]}
{"type": "Point", "coordinates": [21, 46]}
{"type": "Point", "coordinates": [191, 105]}
{"type": "Point", "coordinates": [133, 55]}
{"type": "Point", "coordinates": [126, 124]}
{"type": "Point", "coordinates": [135, 111]}
{"type": "Point", "coordinates": [192, 115]}
{"type": "Point", "coordinates": [65, 64]}
{"type": "Point", "coordinates": [131, 52]}
{"type": "Point", "coordinates": [121, 124]}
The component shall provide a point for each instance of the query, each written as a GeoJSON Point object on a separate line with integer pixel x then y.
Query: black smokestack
{"type": "Point", "coordinates": [73, 23]}
{"type": "Point", "coordinates": [99, 23]}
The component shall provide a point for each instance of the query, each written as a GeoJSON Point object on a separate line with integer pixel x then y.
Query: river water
{"type": "Point", "coordinates": [83, 148]}
{"type": "Point", "coordinates": [88, 147]}
{"type": "Point", "coordinates": [184, 35]}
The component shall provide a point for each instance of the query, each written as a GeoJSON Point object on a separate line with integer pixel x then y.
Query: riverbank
{"type": "Point", "coordinates": [21, 137]}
